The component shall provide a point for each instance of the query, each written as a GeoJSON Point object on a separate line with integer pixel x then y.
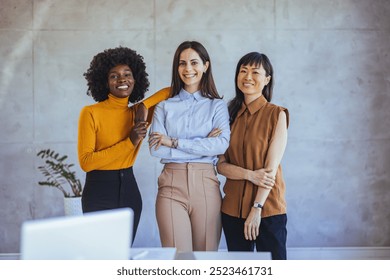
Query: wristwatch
{"type": "Point", "coordinates": [257, 205]}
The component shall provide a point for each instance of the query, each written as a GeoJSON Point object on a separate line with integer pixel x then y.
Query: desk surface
{"type": "Point", "coordinates": [148, 253]}
{"type": "Point", "coordinates": [10, 256]}
{"type": "Point", "coordinates": [223, 255]}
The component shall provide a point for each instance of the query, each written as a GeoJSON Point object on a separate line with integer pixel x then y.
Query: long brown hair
{"type": "Point", "coordinates": [207, 85]}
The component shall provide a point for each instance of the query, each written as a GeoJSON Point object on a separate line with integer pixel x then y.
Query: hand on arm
{"type": "Point", "coordinates": [261, 177]}
{"type": "Point", "coordinates": [157, 139]}
{"type": "Point", "coordinates": [138, 132]}
{"type": "Point", "coordinates": [215, 132]}
{"type": "Point", "coordinates": [141, 113]}
{"type": "Point", "coordinates": [209, 143]}
{"type": "Point", "coordinates": [151, 102]}
{"type": "Point", "coordinates": [274, 157]}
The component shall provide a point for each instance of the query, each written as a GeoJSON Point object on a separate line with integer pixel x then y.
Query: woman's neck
{"type": "Point", "coordinates": [250, 98]}
{"type": "Point", "coordinates": [191, 89]}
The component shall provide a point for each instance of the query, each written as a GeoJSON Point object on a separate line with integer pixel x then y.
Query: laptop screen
{"type": "Point", "coordinates": [101, 235]}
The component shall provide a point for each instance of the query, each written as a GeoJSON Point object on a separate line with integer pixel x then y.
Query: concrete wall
{"type": "Point", "coordinates": [331, 61]}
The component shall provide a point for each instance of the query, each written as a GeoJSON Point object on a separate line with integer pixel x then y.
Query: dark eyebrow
{"type": "Point", "coordinates": [194, 59]}
{"type": "Point", "coordinates": [254, 68]}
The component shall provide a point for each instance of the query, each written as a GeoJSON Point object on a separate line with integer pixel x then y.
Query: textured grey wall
{"type": "Point", "coordinates": [331, 62]}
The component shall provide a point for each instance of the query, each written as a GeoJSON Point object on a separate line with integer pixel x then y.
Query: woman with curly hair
{"type": "Point", "coordinates": [110, 131]}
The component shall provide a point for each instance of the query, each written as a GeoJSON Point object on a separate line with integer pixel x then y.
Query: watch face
{"type": "Point", "coordinates": [257, 205]}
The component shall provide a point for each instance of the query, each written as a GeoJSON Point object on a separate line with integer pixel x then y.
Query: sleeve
{"type": "Point", "coordinates": [151, 102]}
{"type": "Point", "coordinates": [90, 159]}
{"type": "Point", "coordinates": [209, 146]}
{"type": "Point", "coordinates": [158, 126]}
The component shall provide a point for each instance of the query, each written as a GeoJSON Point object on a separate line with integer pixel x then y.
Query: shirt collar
{"type": "Point", "coordinates": [184, 95]}
{"type": "Point", "coordinates": [252, 107]}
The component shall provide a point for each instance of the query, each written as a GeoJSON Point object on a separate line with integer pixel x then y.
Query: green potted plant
{"type": "Point", "coordinates": [59, 175]}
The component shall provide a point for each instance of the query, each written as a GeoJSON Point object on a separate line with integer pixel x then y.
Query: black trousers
{"type": "Point", "coordinates": [112, 189]}
{"type": "Point", "coordinates": [272, 237]}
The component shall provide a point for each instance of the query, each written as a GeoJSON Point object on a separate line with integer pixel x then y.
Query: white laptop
{"type": "Point", "coordinates": [101, 235]}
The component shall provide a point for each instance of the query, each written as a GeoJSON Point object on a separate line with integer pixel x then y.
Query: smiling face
{"type": "Point", "coordinates": [191, 69]}
{"type": "Point", "coordinates": [121, 81]}
{"type": "Point", "coordinates": [251, 80]}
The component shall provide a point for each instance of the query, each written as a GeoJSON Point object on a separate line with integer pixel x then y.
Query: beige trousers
{"type": "Point", "coordinates": [188, 207]}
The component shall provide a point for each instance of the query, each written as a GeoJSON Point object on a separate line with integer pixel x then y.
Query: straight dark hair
{"type": "Point", "coordinates": [207, 85]}
{"type": "Point", "coordinates": [252, 58]}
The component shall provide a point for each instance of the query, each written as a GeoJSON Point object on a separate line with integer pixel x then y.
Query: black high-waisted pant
{"type": "Point", "coordinates": [272, 237]}
{"type": "Point", "coordinates": [111, 189]}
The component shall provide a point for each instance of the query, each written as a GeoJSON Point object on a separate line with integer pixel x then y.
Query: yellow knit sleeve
{"type": "Point", "coordinates": [151, 102]}
{"type": "Point", "coordinates": [92, 159]}
{"type": "Point", "coordinates": [157, 97]}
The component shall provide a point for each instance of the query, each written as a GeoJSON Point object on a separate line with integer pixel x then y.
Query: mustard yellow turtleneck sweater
{"type": "Point", "coordinates": [104, 130]}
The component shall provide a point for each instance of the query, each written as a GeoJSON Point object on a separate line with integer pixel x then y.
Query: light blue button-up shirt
{"type": "Point", "coordinates": [190, 118]}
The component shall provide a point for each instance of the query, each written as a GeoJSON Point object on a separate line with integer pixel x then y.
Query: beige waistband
{"type": "Point", "coordinates": [189, 165]}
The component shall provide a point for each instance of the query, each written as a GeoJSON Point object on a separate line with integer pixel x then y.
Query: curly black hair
{"type": "Point", "coordinates": [103, 62]}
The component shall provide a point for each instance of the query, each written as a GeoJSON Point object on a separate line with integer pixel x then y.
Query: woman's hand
{"type": "Point", "coordinates": [262, 177]}
{"type": "Point", "coordinates": [138, 132]}
{"type": "Point", "coordinates": [157, 139]}
{"type": "Point", "coordinates": [141, 113]}
{"type": "Point", "coordinates": [252, 224]}
{"type": "Point", "coordinates": [215, 132]}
